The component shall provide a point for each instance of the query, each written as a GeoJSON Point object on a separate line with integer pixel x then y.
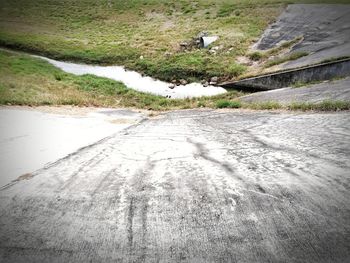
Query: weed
{"type": "Point", "coordinates": [283, 46]}
{"type": "Point", "coordinates": [290, 57]}
{"type": "Point", "coordinates": [220, 104]}
{"type": "Point", "coordinates": [326, 105]}
{"type": "Point", "coordinates": [270, 105]}
{"type": "Point", "coordinates": [256, 56]}
{"type": "Point", "coordinates": [58, 76]}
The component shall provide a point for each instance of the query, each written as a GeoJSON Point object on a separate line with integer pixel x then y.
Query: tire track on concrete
{"type": "Point", "coordinates": [152, 199]}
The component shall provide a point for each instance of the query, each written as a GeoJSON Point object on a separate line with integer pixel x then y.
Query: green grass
{"type": "Point", "coordinates": [269, 105]}
{"type": "Point", "coordinates": [25, 80]}
{"type": "Point", "coordinates": [119, 32]}
{"type": "Point", "coordinates": [263, 55]}
{"type": "Point", "coordinates": [327, 105]}
{"type": "Point", "coordinates": [256, 56]}
{"type": "Point", "coordinates": [220, 104]}
{"type": "Point", "coordinates": [235, 104]}
{"type": "Point", "coordinates": [289, 57]}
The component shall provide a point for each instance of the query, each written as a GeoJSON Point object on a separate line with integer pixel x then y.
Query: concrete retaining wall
{"type": "Point", "coordinates": [325, 71]}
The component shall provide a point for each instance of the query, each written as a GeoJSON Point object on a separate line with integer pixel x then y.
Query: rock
{"type": "Point", "coordinates": [184, 44]}
{"type": "Point", "coordinates": [244, 60]}
{"type": "Point", "coordinates": [183, 82]}
{"type": "Point", "coordinates": [206, 84]}
{"type": "Point", "coordinates": [172, 86]}
{"type": "Point", "coordinates": [174, 81]}
{"type": "Point", "coordinates": [212, 83]}
{"type": "Point", "coordinates": [214, 79]}
{"type": "Point", "coordinates": [203, 81]}
{"type": "Point", "coordinates": [202, 34]}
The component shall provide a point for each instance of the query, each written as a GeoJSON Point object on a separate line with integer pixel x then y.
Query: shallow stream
{"type": "Point", "coordinates": [136, 81]}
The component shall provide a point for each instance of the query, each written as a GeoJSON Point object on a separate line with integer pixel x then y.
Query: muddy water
{"type": "Point", "coordinates": [136, 81]}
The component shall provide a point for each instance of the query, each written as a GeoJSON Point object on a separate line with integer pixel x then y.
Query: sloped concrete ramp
{"type": "Point", "coordinates": [191, 186]}
{"type": "Point", "coordinates": [325, 28]}
{"type": "Point", "coordinates": [287, 78]}
{"type": "Point", "coordinates": [331, 90]}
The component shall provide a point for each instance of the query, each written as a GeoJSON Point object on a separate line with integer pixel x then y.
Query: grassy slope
{"type": "Point", "coordinates": [25, 80]}
{"type": "Point", "coordinates": [119, 31]}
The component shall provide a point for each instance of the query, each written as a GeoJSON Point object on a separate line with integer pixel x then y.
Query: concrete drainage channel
{"type": "Point", "coordinates": [320, 72]}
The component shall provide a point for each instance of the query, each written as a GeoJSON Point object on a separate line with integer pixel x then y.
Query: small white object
{"type": "Point", "coordinates": [206, 41]}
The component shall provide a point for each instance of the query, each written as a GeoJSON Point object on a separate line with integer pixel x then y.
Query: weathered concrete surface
{"type": "Point", "coordinates": [331, 90]}
{"type": "Point", "coordinates": [33, 137]}
{"type": "Point", "coordinates": [325, 28]}
{"type": "Point", "coordinates": [191, 186]}
{"type": "Point", "coordinates": [326, 71]}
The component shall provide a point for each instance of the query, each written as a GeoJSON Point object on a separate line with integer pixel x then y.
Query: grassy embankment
{"type": "Point", "coordinates": [25, 80]}
{"type": "Point", "coordinates": [120, 32]}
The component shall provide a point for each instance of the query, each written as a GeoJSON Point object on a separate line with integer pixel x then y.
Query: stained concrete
{"type": "Point", "coordinates": [338, 90]}
{"type": "Point", "coordinates": [325, 28]}
{"type": "Point", "coordinates": [31, 138]}
{"type": "Point", "coordinates": [325, 71]}
{"type": "Point", "coordinates": [191, 186]}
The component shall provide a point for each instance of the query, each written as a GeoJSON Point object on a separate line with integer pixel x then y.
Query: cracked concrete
{"type": "Point", "coordinates": [191, 186]}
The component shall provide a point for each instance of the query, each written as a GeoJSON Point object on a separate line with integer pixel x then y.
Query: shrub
{"type": "Point", "coordinates": [256, 56]}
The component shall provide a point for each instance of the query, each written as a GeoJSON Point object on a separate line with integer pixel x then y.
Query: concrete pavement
{"type": "Point", "coordinates": [191, 186]}
{"type": "Point", "coordinates": [337, 90]}
{"type": "Point", "coordinates": [325, 29]}
{"type": "Point", "coordinates": [31, 138]}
